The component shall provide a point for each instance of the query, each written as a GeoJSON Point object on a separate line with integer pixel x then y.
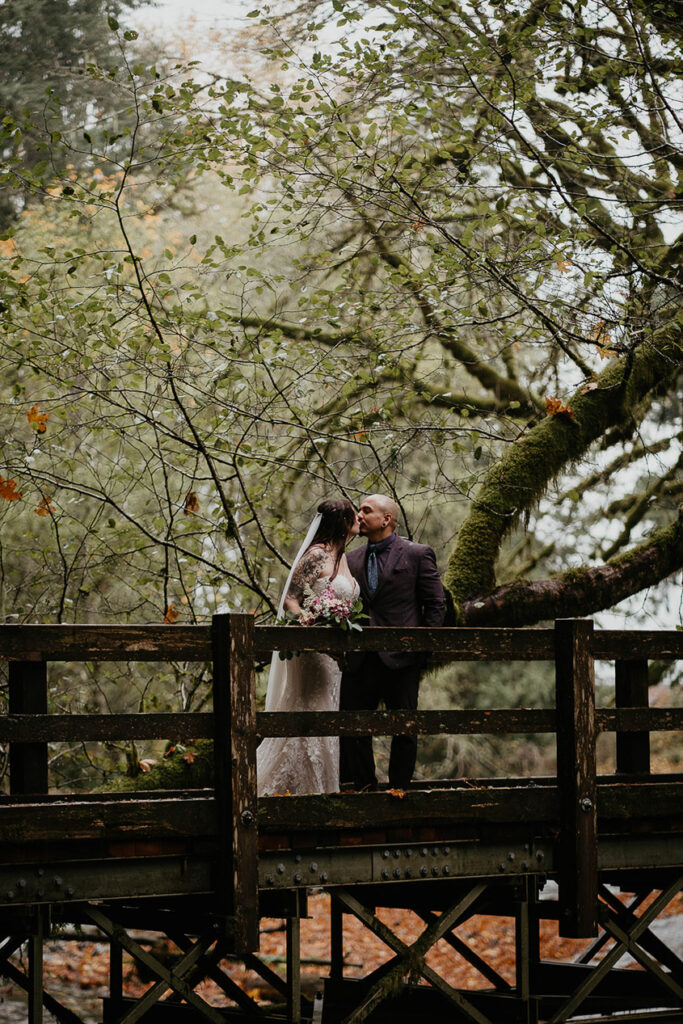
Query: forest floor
{"type": "Point", "coordinates": [76, 972]}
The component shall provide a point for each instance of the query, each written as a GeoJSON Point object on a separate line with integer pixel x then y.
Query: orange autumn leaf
{"type": "Point", "coordinates": [8, 490]}
{"type": "Point", "coordinates": [400, 793]}
{"type": "Point", "coordinates": [171, 614]}
{"type": "Point", "coordinates": [147, 764]}
{"type": "Point", "coordinates": [554, 407]}
{"type": "Point", "coordinates": [44, 508]}
{"type": "Point", "coordinates": [599, 332]}
{"type": "Point", "coordinates": [191, 503]}
{"type": "Point", "coordinates": [188, 757]}
{"type": "Point", "coordinates": [563, 265]}
{"type": "Point", "coordinates": [360, 435]}
{"type": "Point", "coordinates": [37, 419]}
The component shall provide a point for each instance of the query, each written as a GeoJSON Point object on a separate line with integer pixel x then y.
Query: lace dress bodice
{"type": "Point", "coordinates": [342, 585]}
{"type": "Point", "coordinates": [295, 764]}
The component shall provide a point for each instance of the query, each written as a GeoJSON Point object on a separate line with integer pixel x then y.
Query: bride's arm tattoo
{"type": "Point", "coordinates": [307, 571]}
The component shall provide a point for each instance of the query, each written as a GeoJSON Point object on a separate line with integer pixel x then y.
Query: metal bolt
{"type": "Point", "coordinates": [445, 870]}
{"type": "Point", "coordinates": [298, 858]}
{"type": "Point", "coordinates": [446, 850]}
{"type": "Point", "coordinates": [409, 873]}
{"type": "Point", "coordinates": [385, 854]}
{"type": "Point", "coordinates": [280, 869]}
{"type": "Point", "coordinates": [511, 856]}
{"type": "Point", "coordinates": [423, 871]}
{"type": "Point", "coordinates": [270, 880]}
{"type": "Point", "coordinates": [247, 818]}
{"type": "Point", "coordinates": [323, 876]}
{"type": "Point", "coordinates": [397, 854]}
{"type": "Point", "coordinates": [586, 804]}
{"type": "Point", "coordinates": [9, 895]}
{"type": "Point", "coordinates": [69, 892]}
{"type": "Point", "coordinates": [540, 856]}
{"type": "Point", "coordinates": [435, 871]}
{"type": "Point", "coordinates": [313, 868]}
{"type": "Point", "coordinates": [501, 866]}
{"type": "Point", "coordinates": [409, 852]}
{"type": "Point", "coordinates": [57, 880]}
{"type": "Point", "coordinates": [397, 872]}
{"type": "Point", "coordinates": [424, 851]}
{"type": "Point", "coordinates": [22, 883]}
{"type": "Point", "coordinates": [385, 874]}
{"type": "Point", "coordinates": [297, 878]}
{"type": "Point", "coordinates": [525, 865]}
{"type": "Point", "coordinates": [40, 872]}
{"type": "Point", "coordinates": [435, 851]}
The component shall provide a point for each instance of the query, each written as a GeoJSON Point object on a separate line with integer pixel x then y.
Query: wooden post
{"type": "Point", "coordinates": [632, 691]}
{"type": "Point", "coordinates": [294, 969]}
{"type": "Point", "coordinates": [35, 969]}
{"type": "Point", "coordinates": [527, 950]}
{"type": "Point", "coordinates": [576, 778]}
{"type": "Point", "coordinates": [116, 974]}
{"type": "Point", "coordinates": [28, 696]}
{"type": "Point", "coordinates": [235, 777]}
{"type": "Point", "coordinates": [336, 939]}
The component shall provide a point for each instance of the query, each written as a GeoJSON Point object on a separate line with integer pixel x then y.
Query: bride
{"type": "Point", "coordinates": [309, 681]}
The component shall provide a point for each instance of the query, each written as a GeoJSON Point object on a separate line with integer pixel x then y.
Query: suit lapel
{"type": "Point", "coordinates": [357, 567]}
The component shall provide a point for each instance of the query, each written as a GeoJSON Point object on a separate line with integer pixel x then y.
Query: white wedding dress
{"type": "Point", "coordinates": [305, 764]}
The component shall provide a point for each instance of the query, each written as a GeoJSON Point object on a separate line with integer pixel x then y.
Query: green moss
{"type": "Point", "coordinates": [580, 576]}
{"type": "Point", "coordinates": [186, 767]}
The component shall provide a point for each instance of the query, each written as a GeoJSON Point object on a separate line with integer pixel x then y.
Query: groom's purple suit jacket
{"type": "Point", "coordinates": [410, 593]}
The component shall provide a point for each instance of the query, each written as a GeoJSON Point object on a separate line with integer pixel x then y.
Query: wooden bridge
{"type": "Point", "coordinates": [203, 866]}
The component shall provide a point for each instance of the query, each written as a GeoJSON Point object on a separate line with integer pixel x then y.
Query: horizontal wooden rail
{"type": "Point", "coordinates": [72, 728]}
{"type": "Point", "coordinates": [193, 643]}
{"type": "Point", "coordinates": [455, 723]}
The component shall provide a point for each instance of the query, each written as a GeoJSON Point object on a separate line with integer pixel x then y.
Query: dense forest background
{"type": "Point", "coordinates": [429, 249]}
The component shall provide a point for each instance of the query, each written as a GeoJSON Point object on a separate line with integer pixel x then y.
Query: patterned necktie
{"type": "Point", "coordinates": [373, 576]}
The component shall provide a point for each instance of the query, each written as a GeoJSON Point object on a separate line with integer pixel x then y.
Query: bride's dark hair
{"type": "Point", "coordinates": [338, 515]}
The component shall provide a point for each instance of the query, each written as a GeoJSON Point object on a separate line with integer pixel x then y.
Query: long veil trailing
{"type": "Point", "coordinates": [277, 677]}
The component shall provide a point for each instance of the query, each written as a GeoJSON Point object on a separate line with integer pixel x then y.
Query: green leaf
{"type": "Point", "coordinates": [113, 23]}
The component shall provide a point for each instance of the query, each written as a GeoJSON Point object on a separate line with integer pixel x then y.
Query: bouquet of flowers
{"type": "Point", "coordinates": [327, 608]}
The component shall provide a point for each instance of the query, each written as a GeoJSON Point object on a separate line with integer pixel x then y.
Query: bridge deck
{"type": "Point", "coordinates": [212, 862]}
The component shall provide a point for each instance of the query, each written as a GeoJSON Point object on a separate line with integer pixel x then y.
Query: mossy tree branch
{"type": "Point", "coordinates": [584, 591]}
{"type": "Point", "coordinates": [520, 476]}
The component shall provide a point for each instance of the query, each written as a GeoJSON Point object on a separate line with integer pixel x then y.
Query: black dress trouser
{"type": "Point", "coordinates": [363, 688]}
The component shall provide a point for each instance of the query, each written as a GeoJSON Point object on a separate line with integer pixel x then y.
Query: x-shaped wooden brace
{"type": "Point", "coordinates": [213, 971]}
{"type": "Point", "coordinates": [410, 959]}
{"type": "Point", "coordinates": [168, 979]}
{"type": "Point", "coordinates": [484, 968]}
{"type": "Point", "coordinates": [10, 945]}
{"type": "Point", "coordinates": [626, 941]}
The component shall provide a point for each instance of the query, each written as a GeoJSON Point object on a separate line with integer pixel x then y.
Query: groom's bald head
{"type": "Point", "coordinates": [378, 516]}
{"type": "Point", "coordinates": [387, 505]}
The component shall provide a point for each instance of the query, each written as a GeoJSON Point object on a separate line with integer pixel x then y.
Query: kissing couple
{"type": "Point", "coordinates": [400, 585]}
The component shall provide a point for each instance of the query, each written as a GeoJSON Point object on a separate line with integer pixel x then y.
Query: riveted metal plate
{"type": "Point", "coordinates": [284, 869]}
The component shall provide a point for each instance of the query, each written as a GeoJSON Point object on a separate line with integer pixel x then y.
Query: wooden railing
{"type": "Point", "coordinates": [233, 644]}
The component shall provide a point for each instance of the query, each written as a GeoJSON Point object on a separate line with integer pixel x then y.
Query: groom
{"type": "Point", "coordinates": [400, 586]}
